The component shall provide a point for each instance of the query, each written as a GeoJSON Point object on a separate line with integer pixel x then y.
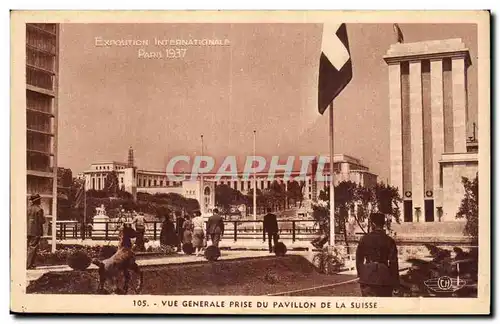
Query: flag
{"type": "Point", "coordinates": [335, 68]}
{"type": "Point", "coordinates": [399, 33]}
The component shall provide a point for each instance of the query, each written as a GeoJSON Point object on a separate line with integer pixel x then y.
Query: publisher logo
{"type": "Point", "coordinates": [445, 284]}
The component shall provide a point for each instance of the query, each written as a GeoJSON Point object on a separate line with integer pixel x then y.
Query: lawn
{"type": "Point", "coordinates": [253, 276]}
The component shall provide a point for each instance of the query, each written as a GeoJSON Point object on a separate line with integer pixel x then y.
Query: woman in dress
{"type": "Point", "coordinates": [187, 233]}
{"type": "Point", "coordinates": [198, 233]}
{"type": "Point", "coordinates": [168, 237]}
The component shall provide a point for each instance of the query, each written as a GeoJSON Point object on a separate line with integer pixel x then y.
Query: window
{"type": "Point", "coordinates": [149, 182]}
{"type": "Point", "coordinates": [121, 179]}
{"type": "Point", "coordinates": [161, 183]}
{"type": "Point", "coordinates": [242, 185]}
{"type": "Point", "coordinates": [310, 196]}
{"type": "Point", "coordinates": [154, 182]}
{"type": "Point", "coordinates": [262, 184]}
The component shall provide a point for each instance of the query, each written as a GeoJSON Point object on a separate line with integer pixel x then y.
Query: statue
{"type": "Point", "coordinates": [100, 219]}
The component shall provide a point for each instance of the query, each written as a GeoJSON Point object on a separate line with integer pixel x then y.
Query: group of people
{"type": "Point", "coordinates": [191, 229]}
{"type": "Point", "coordinates": [186, 229]}
{"type": "Point", "coordinates": [376, 254]}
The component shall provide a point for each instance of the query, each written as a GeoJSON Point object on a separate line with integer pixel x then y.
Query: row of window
{"type": "Point", "coordinates": [107, 167]}
{"type": "Point", "coordinates": [40, 59]}
{"type": "Point", "coordinates": [39, 122]}
{"type": "Point", "coordinates": [41, 40]}
{"type": "Point", "coordinates": [155, 183]}
{"type": "Point", "coordinates": [39, 78]}
{"type": "Point", "coordinates": [38, 162]}
{"type": "Point", "coordinates": [39, 185]}
{"type": "Point", "coordinates": [38, 142]}
{"type": "Point", "coordinates": [233, 184]}
{"type": "Point", "coordinates": [38, 101]}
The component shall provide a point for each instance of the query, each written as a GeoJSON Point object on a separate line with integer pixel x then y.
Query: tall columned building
{"type": "Point", "coordinates": [428, 127]}
{"type": "Point", "coordinates": [42, 65]}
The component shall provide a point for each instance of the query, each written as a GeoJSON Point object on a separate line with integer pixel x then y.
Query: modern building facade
{"type": "Point", "coordinates": [347, 168]}
{"type": "Point", "coordinates": [42, 66]}
{"type": "Point", "coordinates": [429, 148]}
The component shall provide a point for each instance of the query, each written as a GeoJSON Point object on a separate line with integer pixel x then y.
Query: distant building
{"type": "Point", "coordinates": [133, 180]}
{"type": "Point", "coordinates": [42, 73]}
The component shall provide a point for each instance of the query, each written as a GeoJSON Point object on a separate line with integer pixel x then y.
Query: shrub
{"type": "Point", "coordinates": [188, 248]}
{"type": "Point", "coordinates": [329, 261]}
{"type": "Point", "coordinates": [280, 249]}
{"type": "Point", "coordinates": [212, 253]}
{"type": "Point", "coordinates": [169, 249]}
{"type": "Point", "coordinates": [454, 264]}
{"type": "Point", "coordinates": [79, 260]}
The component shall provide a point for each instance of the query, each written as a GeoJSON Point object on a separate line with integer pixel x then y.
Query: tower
{"type": "Point", "coordinates": [130, 157]}
{"type": "Point", "coordinates": [428, 118]}
{"type": "Point", "coordinates": [42, 75]}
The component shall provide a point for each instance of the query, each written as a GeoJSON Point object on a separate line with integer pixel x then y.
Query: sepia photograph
{"type": "Point", "coordinates": [250, 162]}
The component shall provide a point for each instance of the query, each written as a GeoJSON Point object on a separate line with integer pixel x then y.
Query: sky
{"type": "Point", "coordinates": [265, 79]}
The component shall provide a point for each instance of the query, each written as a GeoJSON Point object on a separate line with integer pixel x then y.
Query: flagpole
{"type": "Point", "coordinates": [332, 181]}
{"type": "Point", "coordinates": [84, 209]}
{"type": "Point", "coordinates": [202, 203]}
{"type": "Point", "coordinates": [254, 187]}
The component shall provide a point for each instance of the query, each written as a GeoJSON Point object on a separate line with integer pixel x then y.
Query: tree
{"type": "Point", "coordinates": [387, 200]}
{"type": "Point", "coordinates": [382, 198]}
{"type": "Point", "coordinates": [225, 196]}
{"type": "Point", "coordinates": [111, 185]}
{"type": "Point", "coordinates": [364, 201]}
{"type": "Point", "coordinates": [345, 195]}
{"type": "Point", "coordinates": [294, 192]}
{"type": "Point", "coordinates": [469, 207]}
{"type": "Point", "coordinates": [275, 195]}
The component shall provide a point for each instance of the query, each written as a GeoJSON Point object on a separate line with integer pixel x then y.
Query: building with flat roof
{"type": "Point", "coordinates": [42, 71]}
{"type": "Point", "coordinates": [134, 180]}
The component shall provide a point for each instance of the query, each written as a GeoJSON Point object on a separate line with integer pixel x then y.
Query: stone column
{"type": "Point", "coordinates": [437, 128]}
{"type": "Point", "coordinates": [459, 105]}
{"type": "Point", "coordinates": [417, 149]}
{"type": "Point", "coordinates": [396, 150]}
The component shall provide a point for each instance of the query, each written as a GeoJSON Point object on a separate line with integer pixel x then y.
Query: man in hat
{"type": "Point", "coordinates": [271, 228]}
{"type": "Point", "coordinates": [35, 221]}
{"type": "Point", "coordinates": [215, 227]}
{"type": "Point", "coordinates": [140, 228]}
{"type": "Point", "coordinates": [377, 260]}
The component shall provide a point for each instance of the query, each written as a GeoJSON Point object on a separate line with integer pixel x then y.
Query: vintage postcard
{"type": "Point", "coordinates": [253, 162]}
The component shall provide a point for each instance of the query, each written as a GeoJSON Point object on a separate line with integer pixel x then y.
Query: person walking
{"type": "Point", "coordinates": [377, 260]}
{"type": "Point", "coordinates": [215, 227]}
{"type": "Point", "coordinates": [198, 233]}
{"type": "Point", "coordinates": [271, 228]}
{"type": "Point", "coordinates": [179, 228]}
{"type": "Point", "coordinates": [139, 224]}
{"type": "Point", "coordinates": [35, 221]}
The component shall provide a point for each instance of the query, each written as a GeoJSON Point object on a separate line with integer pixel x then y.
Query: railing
{"type": "Point", "coordinates": [295, 230]}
